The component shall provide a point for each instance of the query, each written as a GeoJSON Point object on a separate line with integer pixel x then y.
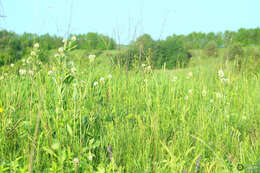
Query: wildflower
{"type": "Point", "coordinates": [218, 95]}
{"type": "Point", "coordinates": [186, 97]}
{"type": "Point", "coordinates": [244, 117]}
{"type": "Point", "coordinates": [50, 72]}
{"type": "Point", "coordinates": [33, 53]}
{"type": "Point", "coordinates": [28, 61]}
{"type": "Point", "coordinates": [64, 41]}
{"type": "Point", "coordinates": [90, 156]}
{"type": "Point", "coordinates": [174, 79]}
{"type": "Point", "coordinates": [30, 72]}
{"type": "Point", "coordinates": [1, 110]}
{"type": "Point", "coordinates": [102, 79]}
{"type": "Point", "coordinates": [1, 77]}
{"type": "Point", "coordinates": [221, 73]}
{"type": "Point", "coordinates": [143, 65]}
{"type": "Point", "coordinates": [190, 91]}
{"type": "Point", "coordinates": [73, 70]}
{"type": "Point", "coordinates": [204, 93]}
{"type": "Point", "coordinates": [60, 49]}
{"type": "Point", "coordinates": [36, 45]}
{"type": "Point", "coordinates": [145, 80]}
{"type": "Point", "coordinates": [91, 58]}
{"type": "Point", "coordinates": [12, 65]}
{"type": "Point", "coordinates": [149, 68]}
{"type": "Point", "coordinates": [22, 71]}
{"type": "Point", "coordinates": [95, 84]}
{"type": "Point", "coordinates": [76, 161]}
{"type": "Point", "coordinates": [110, 76]}
{"type": "Point", "coordinates": [73, 38]}
{"type": "Point", "coordinates": [56, 55]}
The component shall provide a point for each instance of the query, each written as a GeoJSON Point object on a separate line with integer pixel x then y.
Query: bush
{"type": "Point", "coordinates": [211, 49]}
{"type": "Point", "coordinates": [235, 50]}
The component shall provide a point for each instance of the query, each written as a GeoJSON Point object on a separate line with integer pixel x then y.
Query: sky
{"type": "Point", "coordinates": [124, 20]}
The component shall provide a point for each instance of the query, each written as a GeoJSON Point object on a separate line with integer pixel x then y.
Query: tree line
{"type": "Point", "coordinates": [14, 46]}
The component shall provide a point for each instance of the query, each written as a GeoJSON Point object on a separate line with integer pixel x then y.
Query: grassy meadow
{"type": "Point", "coordinates": [76, 114]}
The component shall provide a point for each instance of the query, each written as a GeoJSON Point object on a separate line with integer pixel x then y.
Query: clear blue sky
{"type": "Point", "coordinates": [159, 18]}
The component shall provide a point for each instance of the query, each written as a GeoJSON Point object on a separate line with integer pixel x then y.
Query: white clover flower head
{"type": "Point", "coordinates": [22, 71]}
{"type": "Point", "coordinates": [174, 79]}
{"type": "Point", "coordinates": [190, 91]}
{"type": "Point", "coordinates": [33, 53]}
{"type": "Point", "coordinates": [56, 55]}
{"type": "Point", "coordinates": [145, 80]}
{"type": "Point", "coordinates": [244, 117]}
{"type": "Point", "coordinates": [149, 68]}
{"type": "Point", "coordinates": [221, 73]}
{"type": "Point", "coordinates": [1, 77]}
{"type": "Point", "coordinates": [73, 70]}
{"type": "Point", "coordinates": [50, 72]}
{"type": "Point", "coordinates": [28, 61]}
{"type": "Point", "coordinates": [109, 76]}
{"type": "Point", "coordinates": [190, 74]}
{"type": "Point", "coordinates": [90, 156]}
{"type": "Point", "coordinates": [64, 41]}
{"type": "Point", "coordinates": [60, 49]}
{"type": "Point", "coordinates": [76, 161]}
{"type": "Point", "coordinates": [186, 97]}
{"type": "Point", "coordinates": [91, 58]}
{"type": "Point", "coordinates": [102, 79]}
{"type": "Point", "coordinates": [12, 65]}
{"type": "Point", "coordinates": [143, 65]}
{"type": "Point", "coordinates": [73, 38]}
{"type": "Point", "coordinates": [95, 84]}
{"type": "Point", "coordinates": [204, 93]}
{"type": "Point", "coordinates": [218, 95]}
{"type": "Point", "coordinates": [36, 45]}
{"type": "Point", "coordinates": [30, 72]}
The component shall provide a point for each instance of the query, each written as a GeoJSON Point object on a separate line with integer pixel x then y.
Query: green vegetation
{"type": "Point", "coordinates": [67, 110]}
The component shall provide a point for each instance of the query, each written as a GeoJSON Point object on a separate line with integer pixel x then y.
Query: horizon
{"type": "Point", "coordinates": [125, 21]}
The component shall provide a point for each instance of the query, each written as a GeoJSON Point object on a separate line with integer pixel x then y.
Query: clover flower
{"type": "Point", "coordinates": [102, 79]}
{"type": "Point", "coordinates": [190, 91]}
{"type": "Point", "coordinates": [109, 76]}
{"type": "Point", "coordinates": [91, 58]}
{"type": "Point", "coordinates": [33, 53]}
{"type": "Point", "coordinates": [204, 93]}
{"type": "Point", "coordinates": [95, 84]}
{"type": "Point", "coordinates": [221, 73]}
{"type": "Point", "coordinates": [73, 38]}
{"type": "Point", "coordinates": [60, 49]}
{"type": "Point", "coordinates": [12, 65]}
{"type": "Point", "coordinates": [1, 77]}
{"type": "Point", "coordinates": [36, 45]}
{"type": "Point", "coordinates": [22, 71]}
{"type": "Point", "coordinates": [218, 95]}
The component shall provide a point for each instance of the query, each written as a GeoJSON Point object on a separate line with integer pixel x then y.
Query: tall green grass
{"type": "Point", "coordinates": [57, 120]}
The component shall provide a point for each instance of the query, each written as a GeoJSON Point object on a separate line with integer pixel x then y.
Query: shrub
{"type": "Point", "coordinates": [211, 49]}
{"type": "Point", "coordinates": [235, 50]}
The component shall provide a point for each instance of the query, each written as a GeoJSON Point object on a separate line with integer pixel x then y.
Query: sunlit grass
{"type": "Point", "coordinates": [103, 120]}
